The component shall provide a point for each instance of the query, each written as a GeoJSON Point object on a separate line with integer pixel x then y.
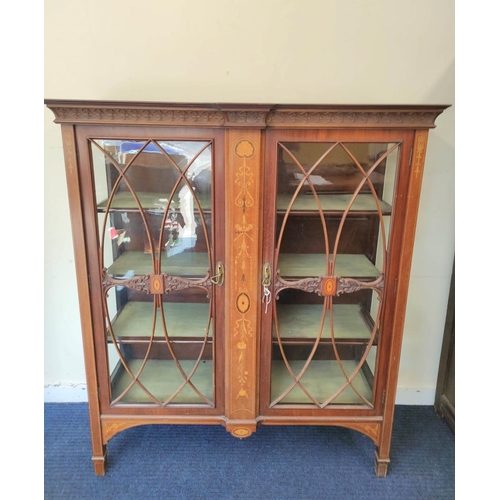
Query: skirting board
{"type": "Point", "coordinates": [74, 393]}
{"type": "Point", "coordinates": [77, 393]}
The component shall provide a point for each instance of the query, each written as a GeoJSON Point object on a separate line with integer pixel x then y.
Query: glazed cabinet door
{"type": "Point", "coordinates": [329, 208]}
{"type": "Point", "coordinates": [154, 215]}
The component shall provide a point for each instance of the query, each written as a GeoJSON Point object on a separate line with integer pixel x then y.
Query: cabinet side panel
{"type": "Point", "coordinates": [406, 253]}
{"type": "Point", "coordinates": [243, 213]}
{"type": "Point", "coordinates": [77, 224]}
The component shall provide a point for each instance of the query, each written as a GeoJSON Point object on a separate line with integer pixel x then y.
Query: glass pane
{"type": "Point", "coordinates": [320, 351]}
{"type": "Point", "coordinates": [161, 361]}
{"type": "Point", "coordinates": [154, 204]}
{"type": "Point", "coordinates": [154, 208]}
{"type": "Point", "coordinates": [334, 206]}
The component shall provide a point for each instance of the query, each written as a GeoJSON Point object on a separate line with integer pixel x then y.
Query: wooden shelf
{"type": "Point", "coordinates": [193, 264]}
{"type": "Point", "coordinates": [184, 320]}
{"type": "Point", "coordinates": [321, 379]}
{"type": "Point", "coordinates": [289, 265]}
{"type": "Point", "coordinates": [302, 321]}
{"type": "Point", "coordinates": [123, 200]}
{"type": "Point", "coordinates": [309, 265]}
{"type": "Point", "coordinates": [332, 203]}
{"type": "Point", "coordinates": [162, 378]}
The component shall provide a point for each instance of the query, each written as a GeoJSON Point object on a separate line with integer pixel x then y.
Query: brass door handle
{"type": "Point", "coordinates": [266, 283]}
{"type": "Point", "coordinates": [266, 275]}
{"type": "Point", "coordinates": [218, 279]}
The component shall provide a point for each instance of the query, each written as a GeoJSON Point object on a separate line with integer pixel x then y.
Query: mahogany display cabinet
{"type": "Point", "coordinates": [242, 264]}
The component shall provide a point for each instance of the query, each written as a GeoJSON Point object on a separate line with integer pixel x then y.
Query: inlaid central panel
{"type": "Point", "coordinates": [155, 214]}
{"type": "Point", "coordinates": [332, 219]}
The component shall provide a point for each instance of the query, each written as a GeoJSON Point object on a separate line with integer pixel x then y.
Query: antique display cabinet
{"type": "Point", "coordinates": [244, 264]}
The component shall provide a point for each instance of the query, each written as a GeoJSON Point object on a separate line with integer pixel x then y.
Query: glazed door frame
{"type": "Point", "coordinates": [399, 208]}
{"type": "Point", "coordinates": [92, 237]}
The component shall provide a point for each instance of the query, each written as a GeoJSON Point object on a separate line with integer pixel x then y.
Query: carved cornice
{"type": "Point", "coordinates": [246, 118]}
{"type": "Point", "coordinates": [353, 118]}
{"type": "Point", "coordinates": [137, 116]}
{"type": "Point", "coordinates": [243, 115]}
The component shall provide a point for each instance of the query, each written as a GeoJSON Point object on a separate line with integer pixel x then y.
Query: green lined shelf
{"type": "Point", "coordinates": [321, 379]}
{"type": "Point", "coordinates": [302, 321]}
{"type": "Point", "coordinates": [123, 200]}
{"type": "Point", "coordinates": [162, 378]}
{"type": "Point", "coordinates": [332, 203]}
{"type": "Point", "coordinates": [293, 265]}
{"type": "Point", "coordinates": [193, 264]}
{"type": "Point", "coordinates": [182, 320]}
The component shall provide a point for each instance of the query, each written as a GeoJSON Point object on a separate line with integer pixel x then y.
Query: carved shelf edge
{"type": "Point", "coordinates": [317, 285]}
{"type": "Point", "coordinates": [244, 115]}
{"type": "Point", "coordinates": [310, 285]}
{"type": "Point", "coordinates": [142, 283]}
{"type": "Point", "coordinates": [350, 285]}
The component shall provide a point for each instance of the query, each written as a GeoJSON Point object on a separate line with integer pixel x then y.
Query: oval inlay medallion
{"type": "Point", "coordinates": [329, 286]}
{"type": "Point", "coordinates": [241, 432]}
{"type": "Point", "coordinates": [243, 303]}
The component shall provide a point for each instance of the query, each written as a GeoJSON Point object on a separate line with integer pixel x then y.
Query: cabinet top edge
{"type": "Point", "coordinates": [244, 114]}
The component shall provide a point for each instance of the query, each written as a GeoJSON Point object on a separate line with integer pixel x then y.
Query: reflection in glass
{"type": "Point", "coordinates": [334, 206]}
{"type": "Point", "coordinates": [154, 209]}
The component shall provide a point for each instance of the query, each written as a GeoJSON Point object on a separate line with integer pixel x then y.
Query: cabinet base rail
{"type": "Point", "coordinates": [241, 428]}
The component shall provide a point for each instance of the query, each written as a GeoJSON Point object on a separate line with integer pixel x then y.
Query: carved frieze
{"type": "Point", "coordinates": [357, 118]}
{"type": "Point", "coordinates": [243, 115]}
{"type": "Point", "coordinates": [137, 116]}
{"type": "Point", "coordinates": [246, 118]}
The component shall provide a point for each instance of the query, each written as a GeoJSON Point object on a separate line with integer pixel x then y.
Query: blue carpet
{"type": "Point", "coordinates": [278, 463]}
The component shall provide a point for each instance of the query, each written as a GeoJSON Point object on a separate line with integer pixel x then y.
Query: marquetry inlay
{"type": "Point", "coordinates": [241, 432]}
{"type": "Point", "coordinates": [420, 153]}
{"type": "Point", "coordinates": [243, 303]}
{"type": "Point", "coordinates": [156, 284]}
{"type": "Point", "coordinates": [68, 145]}
{"type": "Point", "coordinates": [329, 286]}
{"type": "Point", "coordinates": [243, 183]}
{"type": "Point", "coordinates": [243, 238]}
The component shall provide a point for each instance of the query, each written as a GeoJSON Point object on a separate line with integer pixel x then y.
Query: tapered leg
{"type": "Point", "coordinates": [381, 465]}
{"type": "Point", "coordinates": [383, 449]}
{"type": "Point", "coordinates": [100, 462]}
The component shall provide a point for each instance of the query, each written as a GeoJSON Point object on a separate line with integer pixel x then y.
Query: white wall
{"type": "Point", "coordinates": [320, 51]}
